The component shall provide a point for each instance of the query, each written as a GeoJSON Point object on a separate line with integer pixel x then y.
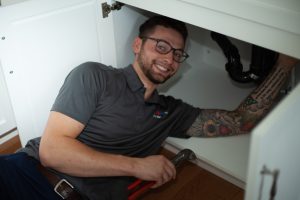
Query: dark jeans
{"type": "Point", "coordinates": [20, 179]}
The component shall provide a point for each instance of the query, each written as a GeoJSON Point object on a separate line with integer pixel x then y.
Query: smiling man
{"type": "Point", "coordinates": [107, 125]}
{"type": "Point", "coordinates": [159, 52]}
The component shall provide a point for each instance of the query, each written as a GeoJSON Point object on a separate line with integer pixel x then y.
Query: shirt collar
{"type": "Point", "coordinates": [132, 79]}
{"type": "Point", "coordinates": [135, 84]}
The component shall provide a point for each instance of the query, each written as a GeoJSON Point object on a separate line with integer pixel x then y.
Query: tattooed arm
{"type": "Point", "coordinates": [212, 123]}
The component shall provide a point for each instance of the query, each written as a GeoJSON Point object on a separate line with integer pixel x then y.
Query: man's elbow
{"type": "Point", "coordinates": [46, 155]}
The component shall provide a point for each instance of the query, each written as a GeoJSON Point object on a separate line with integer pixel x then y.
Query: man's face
{"type": "Point", "coordinates": [158, 67]}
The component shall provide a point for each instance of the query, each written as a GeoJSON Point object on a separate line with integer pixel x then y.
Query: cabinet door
{"type": "Point", "coordinates": [41, 42]}
{"type": "Point", "coordinates": [7, 121]}
{"type": "Point", "coordinates": [275, 149]}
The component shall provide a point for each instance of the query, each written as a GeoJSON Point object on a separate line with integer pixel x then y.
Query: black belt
{"type": "Point", "coordinates": [61, 186]}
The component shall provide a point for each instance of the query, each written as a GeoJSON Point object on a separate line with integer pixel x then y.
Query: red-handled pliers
{"type": "Point", "coordinates": [138, 187]}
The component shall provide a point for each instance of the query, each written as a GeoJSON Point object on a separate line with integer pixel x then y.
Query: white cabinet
{"type": "Point", "coordinates": [7, 120]}
{"type": "Point", "coordinates": [45, 39]}
{"type": "Point", "coordinates": [275, 149]}
{"type": "Point", "coordinates": [9, 2]}
{"type": "Point", "coordinates": [42, 42]}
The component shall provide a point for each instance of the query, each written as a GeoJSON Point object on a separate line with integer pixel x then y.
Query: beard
{"type": "Point", "coordinates": [146, 67]}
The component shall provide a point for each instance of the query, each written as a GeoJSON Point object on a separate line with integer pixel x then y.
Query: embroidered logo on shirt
{"type": "Point", "coordinates": [160, 114]}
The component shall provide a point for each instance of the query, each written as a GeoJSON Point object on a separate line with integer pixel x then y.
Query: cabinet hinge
{"type": "Point", "coordinates": [106, 9]}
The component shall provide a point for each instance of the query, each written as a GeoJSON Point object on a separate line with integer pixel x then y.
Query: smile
{"type": "Point", "coordinates": [161, 68]}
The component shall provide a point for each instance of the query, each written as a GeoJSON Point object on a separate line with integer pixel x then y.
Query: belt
{"type": "Point", "coordinates": [61, 186]}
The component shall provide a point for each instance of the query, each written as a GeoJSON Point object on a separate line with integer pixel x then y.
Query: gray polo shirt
{"type": "Point", "coordinates": [110, 103]}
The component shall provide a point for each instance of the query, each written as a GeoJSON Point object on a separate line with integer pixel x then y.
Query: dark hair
{"type": "Point", "coordinates": [148, 26]}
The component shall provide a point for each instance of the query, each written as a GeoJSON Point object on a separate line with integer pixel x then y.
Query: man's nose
{"type": "Point", "coordinates": [169, 57]}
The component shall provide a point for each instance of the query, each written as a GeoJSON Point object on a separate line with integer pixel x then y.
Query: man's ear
{"type": "Point", "coordinates": [137, 45]}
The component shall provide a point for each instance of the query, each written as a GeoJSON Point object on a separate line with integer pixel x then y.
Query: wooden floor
{"type": "Point", "coordinates": [195, 183]}
{"type": "Point", "coordinates": [10, 146]}
{"type": "Point", "coordinates": [192, 182]}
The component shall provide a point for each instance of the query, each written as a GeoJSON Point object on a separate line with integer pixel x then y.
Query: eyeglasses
{"type": "Point", "coordinates": [164, 47]}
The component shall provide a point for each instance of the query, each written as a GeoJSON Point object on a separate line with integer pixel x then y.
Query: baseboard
{"type": "Point", "coordinates": [209, 168]}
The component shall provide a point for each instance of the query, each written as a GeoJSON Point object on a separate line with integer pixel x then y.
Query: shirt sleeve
{"type": "Point", "coordinates": [182, 116]}
{"type": "Point", "coordinates": [80, 92]}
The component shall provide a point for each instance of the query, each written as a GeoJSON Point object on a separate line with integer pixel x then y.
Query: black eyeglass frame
{"type": "Point", "coordinates": [184, 55]}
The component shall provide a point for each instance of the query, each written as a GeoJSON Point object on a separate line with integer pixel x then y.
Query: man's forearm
{"type": "Point", "coordinates": [263, 98]}
{"type": "Point", "coordinates": [212, 123]}
{"type": "Point", "coordinates": [72, 157]}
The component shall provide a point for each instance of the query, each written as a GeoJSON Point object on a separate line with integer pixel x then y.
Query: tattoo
{"type": "Point", "coordinates": [249, 101]}
{"type": "Point", "coordinates": [212, 123]}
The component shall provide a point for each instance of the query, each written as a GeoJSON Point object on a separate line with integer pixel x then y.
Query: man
{"type": "Point", "coordinates": [107, 124]}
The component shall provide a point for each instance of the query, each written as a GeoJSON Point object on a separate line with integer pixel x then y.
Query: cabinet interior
{"type": "Point", "coordinates": [203, 82]}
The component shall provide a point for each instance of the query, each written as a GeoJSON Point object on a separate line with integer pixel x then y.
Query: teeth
{"type": "Point", "coordinates": [161, 68]}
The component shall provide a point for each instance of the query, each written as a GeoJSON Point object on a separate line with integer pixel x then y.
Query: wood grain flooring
{"type": "Point", "coordinates": [195, 183]}
{"type": "Point", "coordinates": [192, 182]}
{"type": "Point", "coordinates": [10, 146]}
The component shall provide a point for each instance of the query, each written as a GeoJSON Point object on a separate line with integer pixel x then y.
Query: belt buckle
{"type": "Point", "coordinates": [62, 192]}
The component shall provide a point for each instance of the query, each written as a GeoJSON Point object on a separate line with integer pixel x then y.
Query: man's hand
{"type": "Point", "coordinates": [155, 168]}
